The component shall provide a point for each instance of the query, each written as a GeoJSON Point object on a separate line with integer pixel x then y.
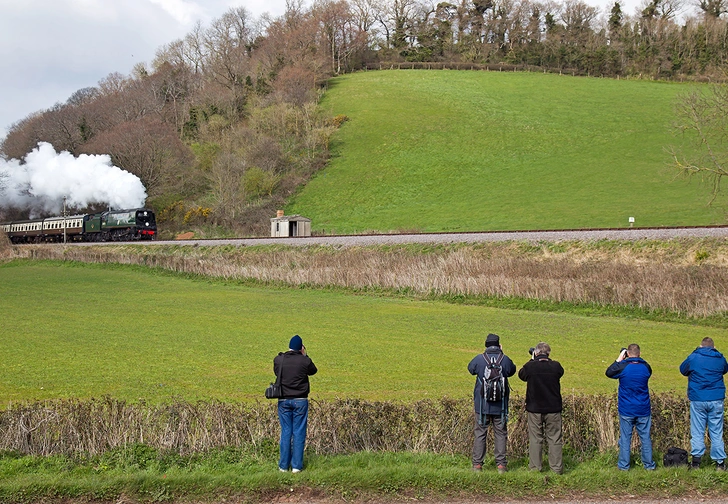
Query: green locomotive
{"type": "Point", "coordinates": [112, 225]}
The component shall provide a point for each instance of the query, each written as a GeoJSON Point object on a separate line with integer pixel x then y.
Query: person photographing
{"type": "Point", "coordinates": [633, 405]}
{"type": "Point", "coordinates": [293, 368]}
{"type": "Point", "coordinates": [543, 406]}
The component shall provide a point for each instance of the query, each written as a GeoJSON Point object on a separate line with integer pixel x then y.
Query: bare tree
{"type": "Point", "coordinates": [150, 150]}
{"type": "Point", "coordinates": [22, 137]}
{"type": "Point", "coordinates": [227, 44]}
{"type": "Point", "coordinates": [663, 9]}
{"type": "Point", "coordinates": [227, 187]}
{"type": "Point", "coordinates": [713, 8]}
{"type": "Point", "coordinates": [578, 17]}
{"type": "Point", "coordinates": [702, 119]}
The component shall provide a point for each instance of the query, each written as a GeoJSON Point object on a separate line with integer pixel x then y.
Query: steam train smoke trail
{"type": "Point", "coordinates": [41, 180]}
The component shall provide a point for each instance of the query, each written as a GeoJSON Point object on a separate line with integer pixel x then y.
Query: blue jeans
{"type": "Point", "coordinates": [707, 414]}
{"type": "Point", "coordinates": [293, 416]}
{"type": "Point", "coordinates": [626, 426]}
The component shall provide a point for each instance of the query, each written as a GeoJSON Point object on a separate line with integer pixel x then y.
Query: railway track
{"type": "Point", "coordinates": [662, 233]}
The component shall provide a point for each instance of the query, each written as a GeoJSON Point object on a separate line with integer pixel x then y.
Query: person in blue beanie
{"type": "Point", "coordinates": [487, 411]}
{"type": "Point", "coordinates": [633, 405]}
{"type": "Point", "coordinates": [705, 368]}
{"type": "Point", "coordinates": [293, 367]}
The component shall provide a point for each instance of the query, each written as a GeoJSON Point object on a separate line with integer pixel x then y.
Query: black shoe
{"type": "Point", "coordinates": [720, 466]}
{"type": "Point", "coordinates": [696, 463]}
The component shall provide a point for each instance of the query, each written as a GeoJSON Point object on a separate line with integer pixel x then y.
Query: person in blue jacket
{"type": "Point", "coordinates": [705, 368]}
{"type": "Point", "coordinates": [494, 413]}
{"type": "Point", "coordinates": [633, 404]}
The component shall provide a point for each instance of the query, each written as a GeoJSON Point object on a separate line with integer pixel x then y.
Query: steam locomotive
{"type": "Point", "coordinates": [113, 225]}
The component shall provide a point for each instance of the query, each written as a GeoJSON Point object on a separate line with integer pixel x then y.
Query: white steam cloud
{"type": "Point", "coordinates": [44, 177]}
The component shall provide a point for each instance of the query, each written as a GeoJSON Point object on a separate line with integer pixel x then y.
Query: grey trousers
{"type": "Point", "coordinates": [545, 426]}
{"type": "Point", "coordinates": [500, 436]}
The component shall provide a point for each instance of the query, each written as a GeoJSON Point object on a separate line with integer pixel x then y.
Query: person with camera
{"type": "Point", "coordinates": [633, 404]}
{"type": "Point", "coordinates": [543, 408]}
{"type": "Point", "coordinates": [705, 368]}
{"type": "Point", "coordinates": [293, 368]}
{"type": "Point", "coordinates": [492, 369]}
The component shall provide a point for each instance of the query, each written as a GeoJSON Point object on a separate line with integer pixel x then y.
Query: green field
{"type": "Point", "coordinates": [87, 330]}
{"type": "Point", "coordinates": [448, 150]}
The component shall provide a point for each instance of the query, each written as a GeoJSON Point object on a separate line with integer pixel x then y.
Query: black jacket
{"type": "Point", "coordinates": [477, 367]}
{"type": "Point", "coordinates": [543, 385]}
{"type": "Point", "coordinates": [295, 368]}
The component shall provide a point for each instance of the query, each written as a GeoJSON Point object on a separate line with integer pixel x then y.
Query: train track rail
{"type": "Point", "coordinates": [661, 233]}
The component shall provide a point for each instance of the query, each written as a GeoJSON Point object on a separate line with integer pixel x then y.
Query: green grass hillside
{"type": "Point", "coordinates": [87, 331]}
{"type": "Point", "coordinates": [448, 150]}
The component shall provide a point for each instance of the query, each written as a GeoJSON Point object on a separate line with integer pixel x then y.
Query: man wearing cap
{"type": "Point", "coordinates": [293, 368]}
{"type": "Point", "coordinates": [487, 412]}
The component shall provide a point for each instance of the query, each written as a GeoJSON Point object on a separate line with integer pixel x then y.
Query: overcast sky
{"type": "Point", "coordinates": [51, 48]}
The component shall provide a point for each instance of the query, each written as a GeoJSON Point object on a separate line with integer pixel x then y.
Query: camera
{"type": "Point", "coordinates": [530, 351]}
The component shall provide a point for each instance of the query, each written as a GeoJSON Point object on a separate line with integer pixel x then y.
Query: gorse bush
{"type": "Point", "coordinates": [335, 427]}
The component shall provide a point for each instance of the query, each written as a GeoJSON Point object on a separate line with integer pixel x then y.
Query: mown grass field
{"type": "Point", "coordinates": [448, 150]}
{"type": "Point", "coordinates": [81, 331]}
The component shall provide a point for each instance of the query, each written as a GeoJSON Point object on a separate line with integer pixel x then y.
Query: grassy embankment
{"type": "Point", "coordinates": [457, 150]}
{"type": "Point", "coordinates": [163, 338]}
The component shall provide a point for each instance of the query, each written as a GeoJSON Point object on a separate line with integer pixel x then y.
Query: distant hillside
{"type": "Point", "coordinates": [445, 150]}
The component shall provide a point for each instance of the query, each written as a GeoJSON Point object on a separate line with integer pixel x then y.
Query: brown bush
{"type": "Point", "coordinates": [335, 427]}
{"type": "Point", "coordinates": [5, 246]}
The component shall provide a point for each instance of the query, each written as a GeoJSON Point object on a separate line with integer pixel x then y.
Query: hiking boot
{"type": "Point", "coordinates": [696, 462]}
{"type": "Point", "coordinates": [502, 469]}
{"type": "Point", "coordinates": [477, 467]}
{"type": "Point", "coordinates": [720, 466]}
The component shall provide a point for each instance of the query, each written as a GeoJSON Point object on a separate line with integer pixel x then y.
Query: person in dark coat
{"type": "Point", "coordinates": [633, 405]}
{"type": "Point", "coordinates": [543, 408]}
{"type": "Point", "coordinates": [705, 368]}
{"type": "Point", "coordinates": [293, 367]}
{"type": "Point", "coordinates": [494, 413]}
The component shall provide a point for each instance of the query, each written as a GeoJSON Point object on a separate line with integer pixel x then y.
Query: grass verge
{"type": "Point", "coordinates": [140, 474]}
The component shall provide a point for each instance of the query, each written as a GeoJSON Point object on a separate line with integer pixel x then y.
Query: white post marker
{"type": "Point", "coordinates": [631, 222]}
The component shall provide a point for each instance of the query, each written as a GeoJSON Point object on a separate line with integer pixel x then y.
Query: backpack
{"type": "Point", "coordinates": [675, 457]}
{"type": "Point", "coordinates": [494, 383]}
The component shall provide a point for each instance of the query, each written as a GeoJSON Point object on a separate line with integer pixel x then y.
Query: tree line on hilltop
{"type": "Point", "coordinates": [223, 125]}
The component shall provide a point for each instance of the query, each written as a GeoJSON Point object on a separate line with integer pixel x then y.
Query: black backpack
{"type": "Point", "coordinates": [675, 457]}
{"type": "Point", "coordinates": [494, 383]}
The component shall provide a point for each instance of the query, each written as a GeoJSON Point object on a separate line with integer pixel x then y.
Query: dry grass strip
{"type": "Point", "coordinates": [335, 427]}
{"type": "Point", "coordinates": [689, 277]}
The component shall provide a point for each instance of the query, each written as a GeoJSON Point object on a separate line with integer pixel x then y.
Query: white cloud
{"type": "Point", "coordinates": [183, 11]}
